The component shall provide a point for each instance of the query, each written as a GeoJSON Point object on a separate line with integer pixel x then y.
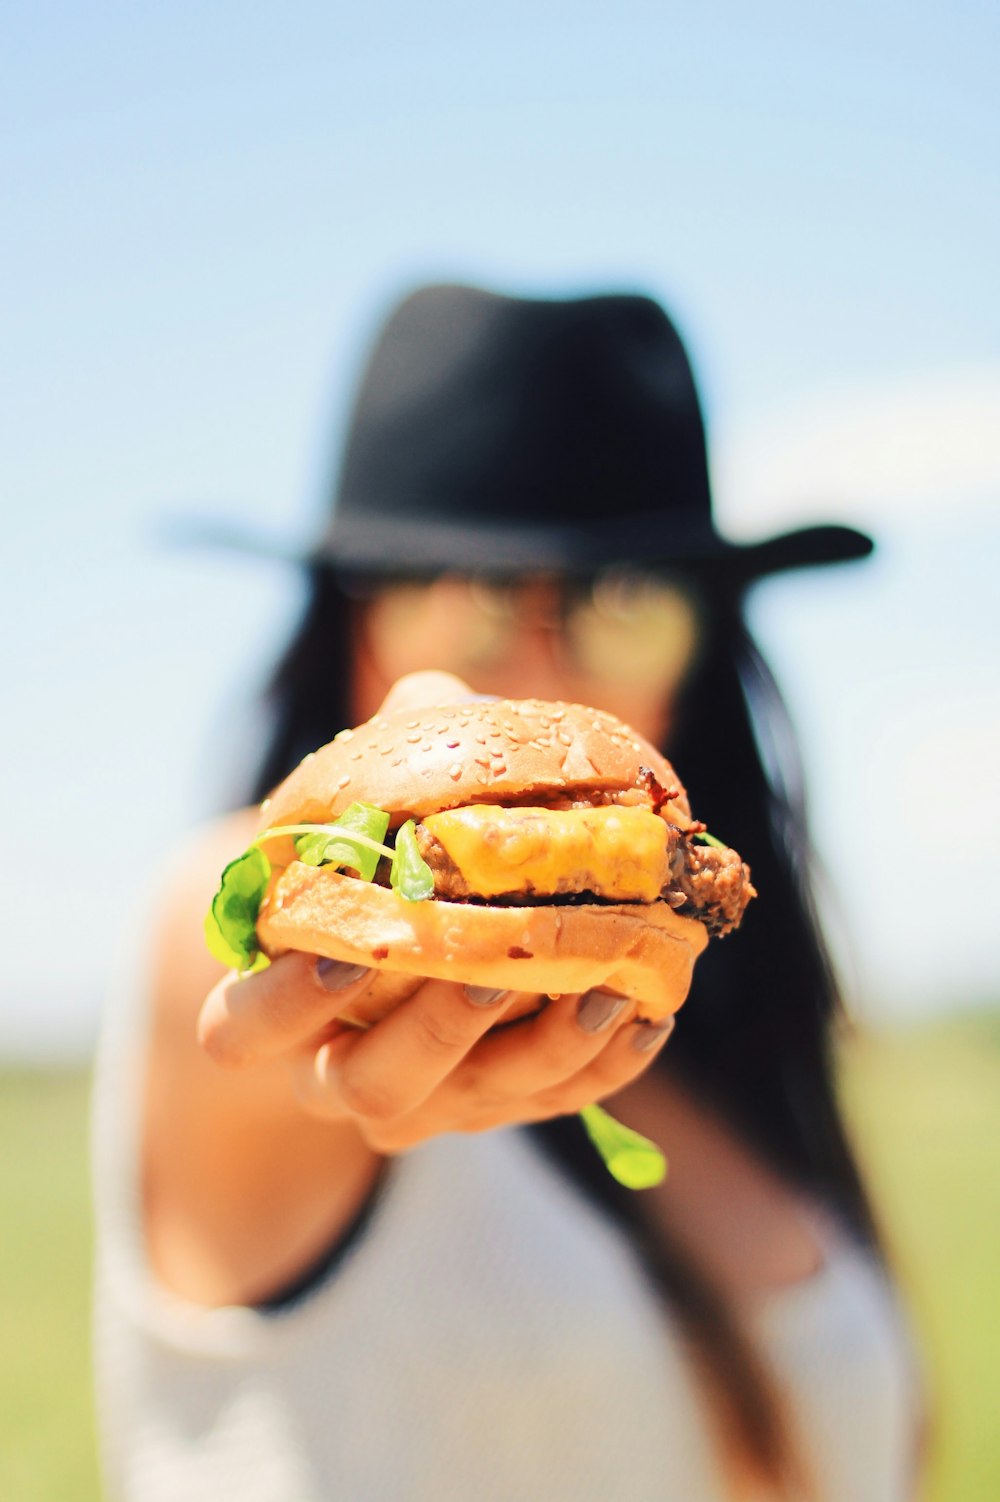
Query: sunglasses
{"type": "Point", "coordinates": [625, 627]}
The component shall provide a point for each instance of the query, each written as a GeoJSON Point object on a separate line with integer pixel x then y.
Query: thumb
{"type": "Point", "coordinates": [425, 688]}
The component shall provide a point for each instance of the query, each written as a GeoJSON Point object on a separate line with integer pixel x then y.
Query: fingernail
{"type": "Point", "coordinates": [335, 975]}
{"type": "Point", "coordinates": [649, 1034]}
{"type": "Point", "coordinates": [483, 996]}
{"type": "Point", "coordinates": [597, 1009]}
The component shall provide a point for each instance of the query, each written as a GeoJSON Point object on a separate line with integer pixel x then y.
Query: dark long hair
{"type": "Point", "coordinates": [755, 1039]}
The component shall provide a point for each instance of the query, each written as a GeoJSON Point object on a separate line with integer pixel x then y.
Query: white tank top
{"type": "Point", "coordinates": [488, 1338]}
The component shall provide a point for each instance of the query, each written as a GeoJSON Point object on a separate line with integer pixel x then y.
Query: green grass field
{"type": "Point", "coordinates": [926, 1108]}
{"type": "Point", "coordinates": [926, 1111]}
{"type": "Point", "coordinates": [46, 1404]}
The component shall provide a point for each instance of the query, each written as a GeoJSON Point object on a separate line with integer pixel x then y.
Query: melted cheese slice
{"type": "Point", "coordinates": [612, 851]}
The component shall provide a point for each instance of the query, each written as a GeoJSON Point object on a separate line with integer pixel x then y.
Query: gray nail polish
{"type": "Point", "coordinates": [483, 996]}
{"type": "Point", "coordinates": [336, 975]}
{"type": "Point", "coordinates": [649, 1034]}
{"type": "Point", "coordinates": [598, 1009]}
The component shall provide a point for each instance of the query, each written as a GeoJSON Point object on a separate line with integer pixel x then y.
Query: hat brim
{"type": "Point", "coordinates": [384, 545]}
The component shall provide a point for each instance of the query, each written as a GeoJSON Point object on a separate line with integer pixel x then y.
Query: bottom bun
{"type": "Point", "coordinates": [641, 950]}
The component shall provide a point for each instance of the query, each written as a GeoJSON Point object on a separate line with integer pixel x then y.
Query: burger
{"type": "Point", "coordinates": [542, 848]}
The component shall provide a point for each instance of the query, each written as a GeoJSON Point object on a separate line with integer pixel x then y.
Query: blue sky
{"type": "Point", "coordinates": [206, 210]}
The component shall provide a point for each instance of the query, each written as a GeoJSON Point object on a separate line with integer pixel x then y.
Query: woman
{"type": "Point", "coordinates": [314, 1281]}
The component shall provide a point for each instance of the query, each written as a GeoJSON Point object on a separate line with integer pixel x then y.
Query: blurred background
{"type": "Point", "coordinates": [207, 213]}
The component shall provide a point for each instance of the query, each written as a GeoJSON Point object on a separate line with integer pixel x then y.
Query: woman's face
{"type": "Point", "coordinates": [622, 642]}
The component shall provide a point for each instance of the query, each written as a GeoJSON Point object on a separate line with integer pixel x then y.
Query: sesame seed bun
{"type": "Point", "coordinates": [417, 761]}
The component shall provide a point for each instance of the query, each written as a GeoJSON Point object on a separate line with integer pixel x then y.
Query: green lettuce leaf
{"type": "Point", "coordinates": [629, 1157]}
{"type": "Point", "coordinates": [355, 839]}
{"type": "Point", "coordinates": [231, 922]}
{"type": "Point", "coordinates": [327, 848]}
{"type": "Point", "coordinates": [411, 876]}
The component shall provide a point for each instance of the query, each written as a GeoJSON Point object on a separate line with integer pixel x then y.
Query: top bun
{"type": "Point", "coordinates": [417, 761]}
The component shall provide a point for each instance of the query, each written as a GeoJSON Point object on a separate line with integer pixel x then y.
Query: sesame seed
{"type": "Point", "coordinates": [455, 770]}
{"type": "Point", "coordinates": [343, 781]}
{"type": "Point", "coordinates": [453, 745]}
{"type": "Point", "coordinates": [344, 735]}
{"type": "Point", "coordinates": [413, 737]}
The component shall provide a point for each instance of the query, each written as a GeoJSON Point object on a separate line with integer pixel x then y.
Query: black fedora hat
{"type": "Point", "coordinates": [495, 434]}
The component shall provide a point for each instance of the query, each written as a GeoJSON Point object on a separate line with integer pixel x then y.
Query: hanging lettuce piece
{"type": "Point", "coordinates": [628, 1156]}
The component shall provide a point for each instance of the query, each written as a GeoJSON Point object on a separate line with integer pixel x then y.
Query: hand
{"type": "Point", "coordinates": [437, 1062]}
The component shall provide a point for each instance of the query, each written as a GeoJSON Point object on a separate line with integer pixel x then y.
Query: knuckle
{"type": "Point", "coordinates": [440, 1035]}
{"type": "Point", "coordinates": [221, 1046]}
{"type": "Point", "coordinates": [572, 1051]}
{"type": "Point", "coordinates": [483, 1113]}
{"type": "Point", "coordinates": [363, 1096]}
{"type": "Point", "coordinates": [556, 1057]}
{"type": "Point", "coordinates": [559, 1101]}
{"type": "Point", "coordinates": [392, 1140]}
{"type": "Point", "coordinates": [318, 1103]}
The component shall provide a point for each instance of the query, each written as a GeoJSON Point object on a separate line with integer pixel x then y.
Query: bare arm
{"type": "Point", "coordinates": [241, 1188]}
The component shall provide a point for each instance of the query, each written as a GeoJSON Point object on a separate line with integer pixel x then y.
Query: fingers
{"type": "Point", "coordinates": [577, 1051]}
{"type": "Point", "coordinates": [294, 999]}
{"type": "Point", "coordinates": [434, 1063]}
{"type": "Point", "coordinates": [434, 1066]}
{"type": "Point", "coordinates": [561, 1040]}
{"type": "Point", "coordinates": [392, 1069]}
{"type": "Point", "coordinates": [631, 1050]}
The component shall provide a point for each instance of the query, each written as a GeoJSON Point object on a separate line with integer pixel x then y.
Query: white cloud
{"type": "Point", "coordinates": [867, 452]}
